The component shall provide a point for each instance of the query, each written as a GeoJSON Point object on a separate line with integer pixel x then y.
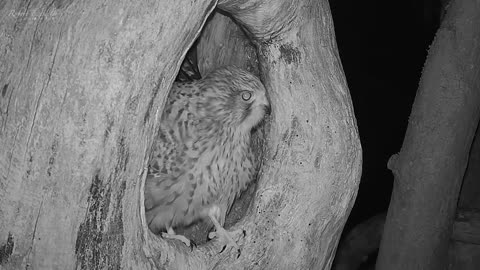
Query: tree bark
{"type": "Point", "coordinates": [430, 166]}
{"type": "Point", "coordinates": [82, 87]}
{"type": "Point", "coordinates": [80, 106]}
{"type": "Point", "coordinates": [312, 164]}
{"type": "Point", "coordinates": [470, 192]}
{"type": "Point", "coordinates": [465, 245]}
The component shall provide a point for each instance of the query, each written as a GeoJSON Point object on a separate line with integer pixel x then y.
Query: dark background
{"type": "Point", "coordinates": [383, 46]}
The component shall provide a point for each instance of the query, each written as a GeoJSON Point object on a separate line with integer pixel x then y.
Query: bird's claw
{"type": "Point", "coordinates": [192, 245]}
{"type": "Point", "coordinates": [181, 238]}
{"type": "Point", "coordinates": [227, 240]}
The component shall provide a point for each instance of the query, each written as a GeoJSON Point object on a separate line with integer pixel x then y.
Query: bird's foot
{"type": "Point", "coordinates": [181, 238]}
{"type": "Point", "coordinates": [228, 239]}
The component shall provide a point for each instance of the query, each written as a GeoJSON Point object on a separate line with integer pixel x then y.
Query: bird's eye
{"type": "Point", "coordinates": [246, 95]}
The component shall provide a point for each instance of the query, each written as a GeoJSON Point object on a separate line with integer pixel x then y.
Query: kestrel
{"type": "Point", "coordinates": [202, 159]}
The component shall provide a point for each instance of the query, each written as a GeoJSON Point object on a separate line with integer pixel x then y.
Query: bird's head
{"type": "Point", "coordinates": [237, 97]}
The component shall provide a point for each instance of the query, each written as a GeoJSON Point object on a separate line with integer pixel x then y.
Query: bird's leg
{"type": "Point", "coordinates": [225, 237]}
{"type": "Point", "coordinates": [170, 234]}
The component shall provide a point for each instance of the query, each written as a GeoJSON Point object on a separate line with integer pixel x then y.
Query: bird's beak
{"type": "Point", "coordinates": [263, 102]}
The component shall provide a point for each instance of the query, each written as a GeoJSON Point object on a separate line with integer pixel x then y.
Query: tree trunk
{"type": "Point", "coordinates": [83, 89]}
{"type": "Point", "coordinates": [465, 245]}
{"type": "Point", "coordinates": [429, 169]}
{"type": "Point", "coordinates": [470, 192]}
{"type": "Point", "coordinates": [464, 249]}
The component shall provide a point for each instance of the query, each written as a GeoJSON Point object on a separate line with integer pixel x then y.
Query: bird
{"type": "Point", "coordinates": [201, 159]}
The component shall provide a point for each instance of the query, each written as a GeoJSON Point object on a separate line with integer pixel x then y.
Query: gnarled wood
{"type": "Point", "coordinates": [82, 91]}
{"type": "Point", "coordinates": [82, 87]}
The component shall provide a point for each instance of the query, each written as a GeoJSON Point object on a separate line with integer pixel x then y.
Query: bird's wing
{"type": "Point", "coordinates": [161, 189]}
{"type": "Point", "coordinates": [183, 135]}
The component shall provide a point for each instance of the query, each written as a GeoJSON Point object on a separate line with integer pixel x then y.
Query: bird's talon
{"type": "Point", "coordinates": [192, 245]}
{"type": "Point", "coordinates": [177, 237]}
{"type": "Point", "coordinates": [226, 238]}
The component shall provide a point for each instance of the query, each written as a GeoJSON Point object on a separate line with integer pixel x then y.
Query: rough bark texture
{"type": "Point", "coordinates": [223, 42]}
{"type": "Point", "coordinates": [430, 167]}
{"type": "Point", "coordinates": [312, 164]}
{"type": "Point", "coordinates": [83, 88]}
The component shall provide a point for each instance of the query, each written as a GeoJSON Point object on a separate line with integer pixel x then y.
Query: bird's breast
{"type": "Point", "coordinates": [227, 168]}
